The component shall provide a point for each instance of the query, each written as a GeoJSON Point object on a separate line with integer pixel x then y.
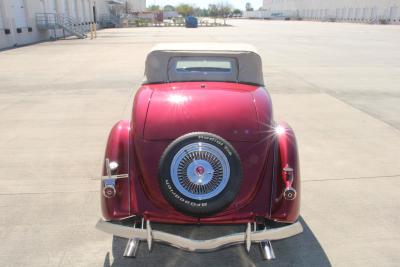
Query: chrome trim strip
{"type": "Point", "coordinates": [198, 245]}
{"type": "Point", "coordinates": [115, 177]}
{"type": "Point", "coordinates": [108, 169]}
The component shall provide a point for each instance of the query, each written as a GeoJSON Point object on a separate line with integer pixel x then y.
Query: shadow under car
{"type": "Point", "coordinates": [300, 250]}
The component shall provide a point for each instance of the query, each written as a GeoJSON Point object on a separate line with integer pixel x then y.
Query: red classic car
{"type": "Point", "coordinates": [201, 147]}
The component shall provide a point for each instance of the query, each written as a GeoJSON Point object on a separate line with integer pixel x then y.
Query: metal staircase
{"type": "Point", "coordinates": [109, 21]}
{"type": "Point", "coordinates": [55, 21]}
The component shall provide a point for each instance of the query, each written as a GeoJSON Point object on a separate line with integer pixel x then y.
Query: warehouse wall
{"type": "Point", "coordinates": [18, 18]}
{"type": "Point", "coordinates": [340, 10]}
{"type": "Point", "coordinates": [137, 5]}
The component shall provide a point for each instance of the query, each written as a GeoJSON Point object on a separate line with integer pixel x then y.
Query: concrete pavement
{"type": "Point", "coordinates": [336, 84]}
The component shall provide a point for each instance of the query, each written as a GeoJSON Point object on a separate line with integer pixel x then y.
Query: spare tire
{"type": "Point", "coordinates": [200, 174]}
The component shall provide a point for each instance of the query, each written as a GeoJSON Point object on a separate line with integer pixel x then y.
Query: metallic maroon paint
{"type": "Point", "coordinates": [117, 150]}
{"type": "Point", "coordinates": [240, 113]}
{"type": "Point", "coordinates": [282, 209]}
{"type": "Point", "coordinates": [192, 109]}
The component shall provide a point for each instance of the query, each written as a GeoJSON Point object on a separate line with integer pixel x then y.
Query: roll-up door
{"type": "Point", "coordinates": [74, 13]}
{"type": "Point", "coordinates": [393, 13]}
{"type": "Point", "coordinates": [84, 11]}
{"type": "Point", "coordinates": [64, 7]}
{"type": "Point", "coordinates": [1, 21]}
{"type": "Point", "coordinates": [51, 6]}
{"type": "Point", "coordinates": [18, 12]}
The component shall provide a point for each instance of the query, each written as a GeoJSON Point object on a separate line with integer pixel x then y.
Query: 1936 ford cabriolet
{"type": "Point", "coordinates": [202, 148]}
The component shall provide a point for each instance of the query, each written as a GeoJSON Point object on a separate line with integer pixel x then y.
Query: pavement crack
{"type": "Point", "coordinates": [352, 178]}
{"type": "Point", "coordinates": [47, 193]}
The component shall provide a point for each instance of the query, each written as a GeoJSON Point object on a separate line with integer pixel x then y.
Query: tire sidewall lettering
{"type": "Point", "coordinates": [198, 208]}
{"type": "Point", "coordinates": [177, 196]}
{"type": "Point", "coordinates": [218, 142]}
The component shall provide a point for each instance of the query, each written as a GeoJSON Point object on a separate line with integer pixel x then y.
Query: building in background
{"type": "Point", "coordinates": [367, 11]}
{"type": "Point", "coordinates": [120, 7]}
{"type": "Point", "coordinates": [19, 19]}
{"type": "Point", "coordinates": [170, 14]}
{"type": "Point", "coordinates": [137, 5]}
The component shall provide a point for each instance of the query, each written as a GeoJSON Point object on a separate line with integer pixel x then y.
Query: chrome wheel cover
{"type": "Point", "coordinates": [200, 171]}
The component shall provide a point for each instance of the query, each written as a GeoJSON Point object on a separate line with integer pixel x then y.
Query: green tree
{"type": "Point", "coordinates": [237, 12]}
{"type": "Point", "coordinates": [249, 7]}
{"type": "Point", "coordinates": [154, 8]}
{"type": "Point", "coordinates": [185, 10]}
{"type": "Point", "coordinates": [224, 10]}
{"type": "Point", "coordinates": [169, 8]}
{"type": "Point", "coordinates": [198, 12]}
{"type": "Point", "coordinates": [213, 11]}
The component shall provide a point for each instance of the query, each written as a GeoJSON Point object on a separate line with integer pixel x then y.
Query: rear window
{"type": "Point", "coordinates": [206, 68]}
{"type": "Point", "coordinates": [203, 65]}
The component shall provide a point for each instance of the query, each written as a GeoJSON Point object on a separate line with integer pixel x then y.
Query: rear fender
{"type": "Point", "coordinates": [286, 176]}
{"type": "Point", "coordinates": [117, 150]}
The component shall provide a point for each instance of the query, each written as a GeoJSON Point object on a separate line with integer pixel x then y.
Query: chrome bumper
{"type": "Point", "coordinates": [247, 237]}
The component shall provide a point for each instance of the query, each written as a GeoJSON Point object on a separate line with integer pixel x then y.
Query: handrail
{"type": "Point", "coordinates": [105, 19]}
{"type": "Point", "coordinates": [61, 21]}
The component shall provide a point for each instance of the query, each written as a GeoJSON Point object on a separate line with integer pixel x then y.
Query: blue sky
{"type": "Point", "coordinates": [204, 3]}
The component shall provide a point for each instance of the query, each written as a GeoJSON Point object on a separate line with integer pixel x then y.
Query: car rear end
{"type": "Point", "coordinates": [201, 148]}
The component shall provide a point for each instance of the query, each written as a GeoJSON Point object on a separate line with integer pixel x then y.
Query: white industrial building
{"type": "Point", "coordinates": [29, 21]}
{"type": "Point", "coordinates": [370, 11]}
{"type": "Point", "coordinates": [137, 5]}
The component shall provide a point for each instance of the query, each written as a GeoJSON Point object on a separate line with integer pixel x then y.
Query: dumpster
{"type": "Point", "coordinates": [191, 22]}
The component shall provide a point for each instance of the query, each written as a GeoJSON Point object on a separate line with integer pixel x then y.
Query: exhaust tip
{"type": "Point", "coordinates": [131, 248]}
